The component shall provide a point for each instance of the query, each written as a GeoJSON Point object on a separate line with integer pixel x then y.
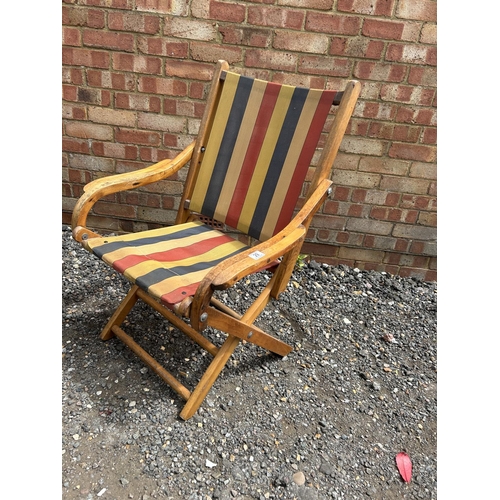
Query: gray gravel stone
{"type": "Point", "coordinates": [337, 409]}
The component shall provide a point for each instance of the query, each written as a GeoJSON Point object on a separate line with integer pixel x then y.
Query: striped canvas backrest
{"type": "Point", "coordinates": [256, 158]}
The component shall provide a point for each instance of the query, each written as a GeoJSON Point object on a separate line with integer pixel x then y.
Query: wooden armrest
{"type": "Point", "coordinates": [228, 272]}
{"type": "Point", "coordinates": [99, 188]}
{"type": "Point", "coordinates": [231, 270]}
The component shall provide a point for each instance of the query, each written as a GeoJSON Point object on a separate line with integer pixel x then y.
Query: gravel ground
{"type": "Point", "coordinates": [325, 422]}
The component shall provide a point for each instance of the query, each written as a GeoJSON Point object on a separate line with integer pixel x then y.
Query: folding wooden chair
{"type": "Point", "coordinates": [247, 170]}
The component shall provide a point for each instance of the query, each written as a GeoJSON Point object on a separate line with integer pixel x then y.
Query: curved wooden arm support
{"type": "Point", "coordinates": [288, 240]}
{"type": "Point", "coordinates": [99, 188]}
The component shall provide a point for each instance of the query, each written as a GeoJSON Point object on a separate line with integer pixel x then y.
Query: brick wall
{"type": "Point", "coordinates": [135, 74]}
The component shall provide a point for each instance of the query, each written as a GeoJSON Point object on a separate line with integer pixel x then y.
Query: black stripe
{"type": "Point", "coordinates": [276, 165]}
{"type": "Point", "coordinates": [161, 274]}
{"type": "Point", "coordinates": [105, 248]}
{"type": "Point", "coordinates": [227, 145]}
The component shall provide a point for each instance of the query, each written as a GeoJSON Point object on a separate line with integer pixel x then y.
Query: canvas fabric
{"type": "Point", "coordinates": [258, 153]}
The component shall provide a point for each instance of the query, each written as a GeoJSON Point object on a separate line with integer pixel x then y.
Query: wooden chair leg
{"type": "Point", "coordinates": [121, 313]}
{"type": "Point", "coordinates": [209, 377]}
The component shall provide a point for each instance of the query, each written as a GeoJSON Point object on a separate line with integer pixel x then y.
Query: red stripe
{"type": "Point", "coordinates": [179, 294]}
{"type": "Point", "coordinates": [252, 154]}
{"type": "Point", "coordinates": [305, 157]}
{"type": "Point", "coordinates": [173, 254]}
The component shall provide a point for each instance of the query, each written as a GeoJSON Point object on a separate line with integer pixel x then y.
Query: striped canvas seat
{"type": "Point", "coordinates": [168, 263]}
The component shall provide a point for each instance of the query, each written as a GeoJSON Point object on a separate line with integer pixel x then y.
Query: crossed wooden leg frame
{"type": "Point", "coordinates": [219, 316]}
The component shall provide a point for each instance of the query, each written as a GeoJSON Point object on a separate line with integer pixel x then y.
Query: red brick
{"type": "Point", "coordinates": [71, 36]}
{"type": "Point", "coordinates": [251, 37]}
{"type": "Point", "coordinates": [325, 66]}
{"type": "Point", "coordinates": [426, 117]}
{"type": "Point", "coordinates": [338, 46]}
{"type": "Point", "coordinates": [85, 57]}
{"type": "Point", "coordinates": [197, 91]}
{"type": "Point", "coordinates": [417, 202]}
{"type": "Point", "coordinates": [73, 76]}
{"type": "Point", "coordinates": [168, 202]}
{"type": "Point", "coordinates": [261, 58]}
{"type": "Point", "coordinates": [386, 30]}
{"type": "Point", "coordinates": [334, 24]}
{"type": "Point", "coordinates": [119, 210]}
{"type": "Point", "coordinates": [429, 136]}
{"type": "Point", "coordinates": [342, 237]}
{"type": "Point", "coordinates": [405, 185]}
{"type": "Point", "coordinates": [102, 39]}
{"type": "Point", "coordinates": [69, 92]}
{"type": "Point", "coordinates": [359, 195]}
{"type": "Point", "coordinates": [275, 17]}
{"type": "Point", "coordinates": [331, 207]}
{"type": "Point", "coordinates": [368, 70]}
{"type": "Point", "coordinates": [137, 137]}
{"type": "Point", "coordinates": [75, 146]}
{"type": "Point", "coordinates": [75, 112]}
{"type": "Point", "coordinates": [392, 199]}
{"type": "Point", "coordinates": [227, 11]}
{"type": "Point", "coordinates": [138, 198]}
{"type": "Point", "coordinates": [138, 102]}
{"type": "Point", "coordinates": [208, 52]}
{"type": "Point", "coordinates": [341, 193]}
{"type": "Point", "coordinates": [413, 152]}
{"type": "Point", "coordinates": [162, 6]}
{"type": "Point", "coordinates": [411, 54]}
{"type": "Point", "coordinates": [394, 132]}
{"type": "Point", "coordinates": [91, 18]}
{"type": "Point", "coordinates": [154, 155]}
{"type": "Point", "coordinates": [137, 63]}
{"type": "Point", "coordinates": [134, 22]}
{"type": "Point", "coordinates": [306, 4]}
{"type": "Point", "coordinates": [323, 235]}
{"type": "Point", "coordinates": [167, 86]}
{"type": "Point", "coordinates": [422, 76]}
{"type": "Point", "coordinates": [355, 210]}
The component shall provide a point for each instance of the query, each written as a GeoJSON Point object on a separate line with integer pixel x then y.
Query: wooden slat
{"type": "Point", "coordinates": [166, 376]}
{"type": "Point", "coordinates": [181, 325]}
{"type": "Point", "coordinates": [209, 377]}
{"type": "Point", "coordinates": [248, 332]}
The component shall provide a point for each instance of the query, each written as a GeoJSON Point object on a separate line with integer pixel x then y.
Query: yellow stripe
{"type": "Point", "coordinates": [298, 140]}
{"type": "Point", "coordinates": [214, 142]}
{"type": "Point", "coordinates": [275, 124]}
{"type": "Point", "coordinates": [240, 148]}
{"type": "Point", "coordinates": [134, 272]}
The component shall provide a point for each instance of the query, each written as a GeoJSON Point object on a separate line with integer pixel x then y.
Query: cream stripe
{"type": "Point", "coordinates": [298, 140]}
{"type": "Point", "coordinates": [134, 272]}
{"type": "Point", "coordinates": [214, 142]}
{"type": "Point", "coordinates": [275, 124]}
{"type": "Point", "coordinates": [240, 148]}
